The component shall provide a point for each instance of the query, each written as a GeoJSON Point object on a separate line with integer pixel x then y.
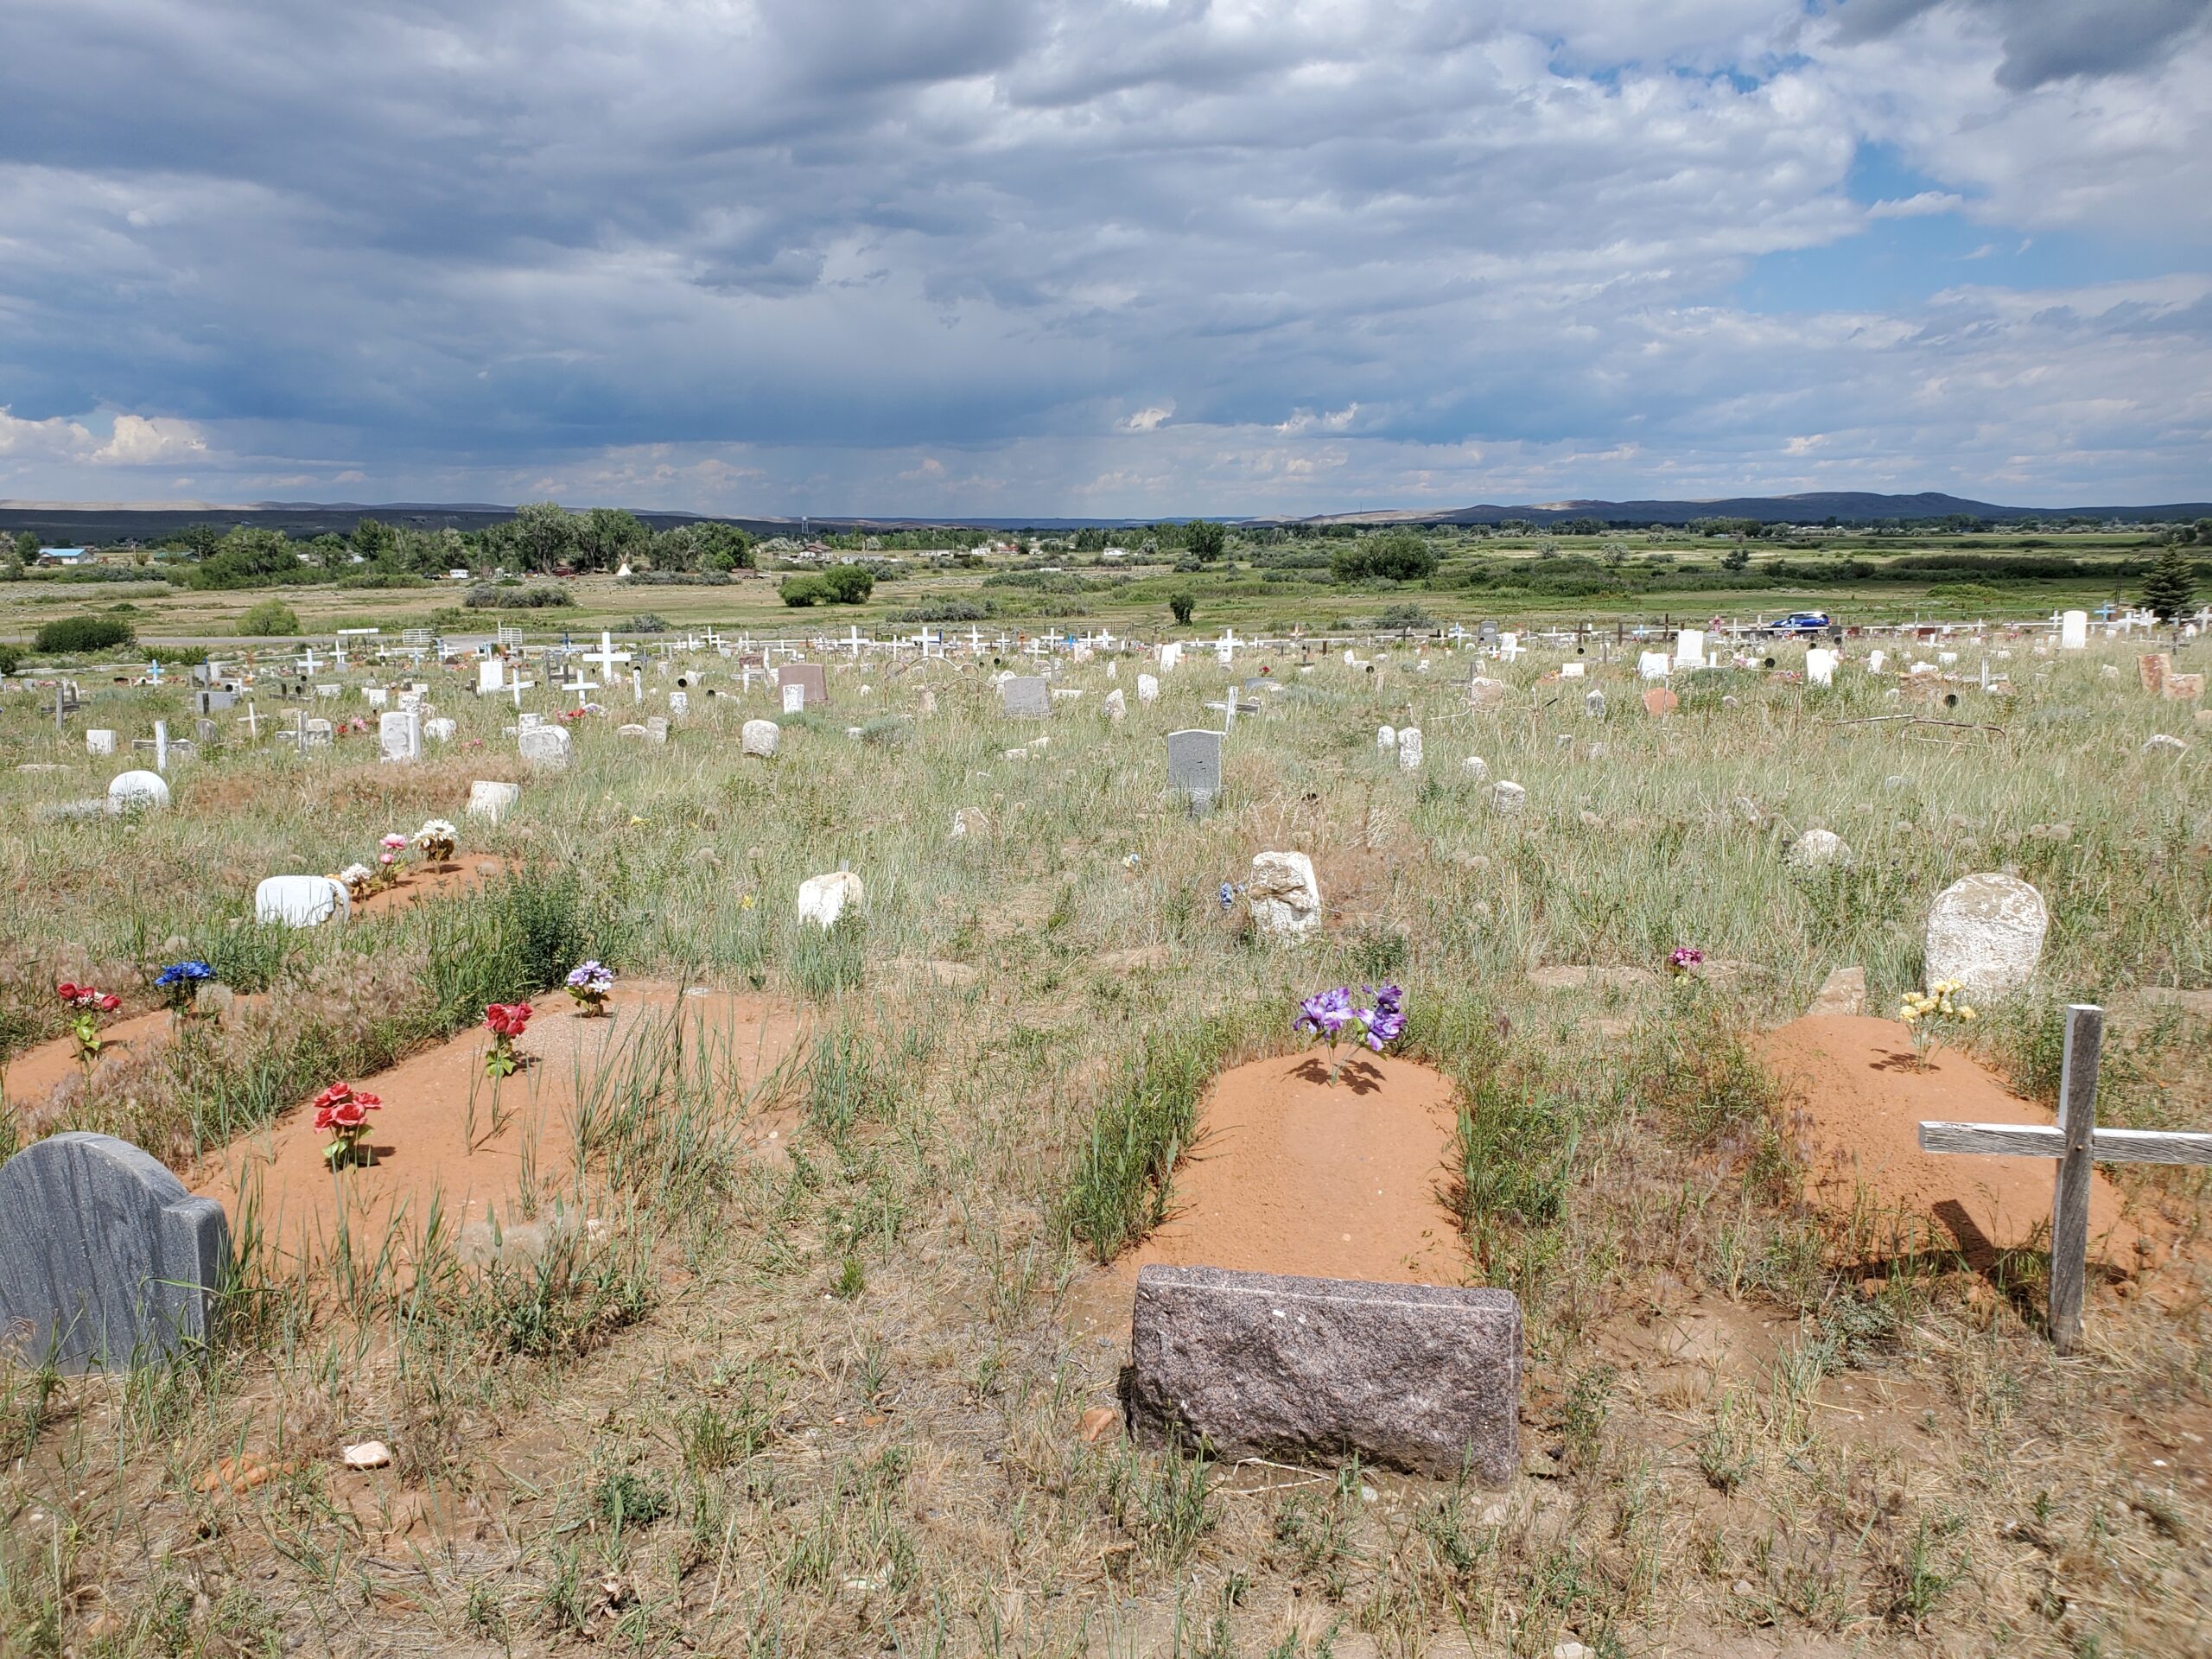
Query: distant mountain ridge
{"type": "Point", "coordinates": [108, 522]}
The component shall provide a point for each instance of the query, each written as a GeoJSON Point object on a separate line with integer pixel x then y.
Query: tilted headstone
{"type": "Point", "coordinates": [544, 745]}
{"type": "Point", "coordinates": [137, 791]}
{"type": "Point", "coordinates": [106, 1259]}
{"type": "Point", "coordinates": [488, 798]}
{"type": "Point", "coordinates": [300, 901]}
{"type": "Point", "coordinates": [1417, 1377]}
{"type": "Point", "coordinates": [1194, 767]}
{"type": "Point", "coordinates": [1025, 697]}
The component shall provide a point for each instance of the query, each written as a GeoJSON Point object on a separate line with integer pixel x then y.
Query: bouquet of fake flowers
{"type": "Point", "coordinates": [1332, 1017]}
{"type": "Point", "coordinates": [591, 985]}
{"type": "Point", "coordinates": [359, 880]}
{"type": "Point", "coordinates": [180, 983]}
{"type": "Point", "coordinates": [87, 1003]}
{"type": "Point", "coordinates": [388, 859]}
{"type": "Point", "coordinates": [1930, 1015]}
{"type": "Point", "coordinates": [342, 1112]}
{"type": "Point", "coordinates": [1683, 959]}
{"type": "Point", "coordinates": [438, 839]}
{"type": "Point", "coordinates": [506, 1022]}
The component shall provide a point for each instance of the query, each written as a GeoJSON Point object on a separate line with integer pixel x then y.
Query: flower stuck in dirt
{"type": "Point", "coordinates": [506, 1022]}
{"type": "Point", "coordinates": [358, 879]}
{"type": "Point", "coordinates": [87, 1003]}
{"type": "Point", "coordinates": [438, 839]}
{"type": "Point", "coordinates": [1931, 1015]}
{"type": "Point", "coordinates": [1684, 958]}
{"type": "Point", "coordinates": [394, 844]}
{"type": "Point", "coordinates": [180, 983]}
{"type": "Point", "coordinates": [341, 1111]}
{"type": "Point", "coordinates": [591, 985]}
{"type": "Point", "coordinates": [1333, 1016]}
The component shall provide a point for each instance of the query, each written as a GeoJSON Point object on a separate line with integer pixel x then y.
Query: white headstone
{"type": "Point", "coordinates": [1409, 749]}
{"type": "Point", "coordinates": [544, 745]}
{"type": "Point", "coordinates": [823, 899]}
{"type": "Point", "coordinates": [491, 676]}
{"type": "Point", "coordinates": [2073, 631]}
{"type": "Point", "coordinates": [399, 735]}
{"type": "Point", "coordinates": [1285, 898]}
{"type": "Point", "coordinates": [135, 791]}
{"type": "Point", "coordinates": [794, 698]}
{"type": "Point", "coordinates": [1652, 665]}
{"type": "Point", "coordinates": [1507, 798]}
{"type": "Point", "coordinates": [1875, 659]}
{"type": "Point", "coordinates": [1987, 932]}
{"type": "Point", "coordinates": [1147, 688]}
{"type": "Point", "coordinates": [1689, 648]}
{"type": "Point", "coordinates": [300, 901]}
{"type": "Point", "coordinates": [99, 741]}
{"type": "Point", "coordinates": [1386, 738]}
{"type": "Point", "coordinates": [679, 704]}
{"type": "Point", "coordinates": [1571, 671]}
{"type": "Point", "coordinates": [440, 730]}
{"type": "Point", "coordinates": [760, 737]}
{"type": "Point", "coordinates": [1819, 667]}
{"type": "Point", "coordinates": [488, 798]}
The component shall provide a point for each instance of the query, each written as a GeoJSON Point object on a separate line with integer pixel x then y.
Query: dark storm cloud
{"type": "Point", "coordinates": [2045, 41]}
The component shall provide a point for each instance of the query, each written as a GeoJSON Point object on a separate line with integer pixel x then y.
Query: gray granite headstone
{"type": "Point", "coordinates": [1194, 765]}
{"type": "Point", "coordinates": [105, 1259]}
{"type": "Point", "coordinates": [1025, 697]}
{"type": "Point", "coordinates": [1256, 1364]}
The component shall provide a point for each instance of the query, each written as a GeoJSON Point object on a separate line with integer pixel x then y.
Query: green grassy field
{"type": "Point", "coordinates": [827, 1404]}
{"type": "Point", "coordinates": [1260, 586]}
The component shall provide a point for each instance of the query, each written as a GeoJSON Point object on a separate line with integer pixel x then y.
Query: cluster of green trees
{"type": "Point", "coordinates": [841, 584]}
{"type": "Point", "coordinates": [1395, 556]}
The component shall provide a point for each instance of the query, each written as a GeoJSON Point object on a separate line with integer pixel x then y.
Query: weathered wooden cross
{"type": "Point", "coordinates": [2076, 1142]}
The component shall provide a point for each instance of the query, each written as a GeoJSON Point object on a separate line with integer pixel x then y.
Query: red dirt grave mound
{"type": "Point", "coordinates": [1288, 1174]}
{"type": "Point", "coordinates": [423, 882]}
{"type": "Point", "coordinates": [482, 1152]}
{"type": "Point", "coordinates": [1856, 1098]}
{"type": "Point", "coordinates": [33, 1075]}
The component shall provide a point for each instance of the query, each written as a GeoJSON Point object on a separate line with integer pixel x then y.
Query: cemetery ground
{"type": "Point", "coordinates": [787, 1317]}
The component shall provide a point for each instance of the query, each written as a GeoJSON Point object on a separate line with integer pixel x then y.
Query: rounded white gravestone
{"type": "Point", "coordinates": [1409, 749]}
{"type": "Point", "coordinates": [823, 899]}
{"type": "Point", "coordinates": [544, 745]}
{"type": "Point", "coordinates": [1987, 932]}
{"type": "Point", "coordinates": [440, 730]}
{"type": "Point", "coordinates": [137, 791]}
{"type": "Point", "coordinates": [1484, 694]}
{"type": "Point", "coordinates": [1386, 737]}
{"type": "Point", "coordinates": [1476, 768]}
{"type": "Point", "coordinates": [1507, 798]}
{"type": "Point", "coordinates": [99, 741]}
{"type": "Point", "coordinates": [760, 737]}
{"type": "Point", "coordinates": [1147, 688]}
{"type": "Point", "coordinates": [1285, 900]}
{"type": "Point", "coordinates": [300, 901]}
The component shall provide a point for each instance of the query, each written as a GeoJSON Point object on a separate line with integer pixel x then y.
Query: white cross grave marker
{"type": "Point", "coordinates": [2076, 1142]}
{"type": "Point", "coordinates": [606, 657]}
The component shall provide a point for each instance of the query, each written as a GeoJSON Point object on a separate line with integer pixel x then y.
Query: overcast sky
{"type": "Point", "coordinates": [1103, 258]}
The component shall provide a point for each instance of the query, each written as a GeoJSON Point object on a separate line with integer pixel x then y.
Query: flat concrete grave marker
{"type": "Point", "coordinates": [1256, 1364]}
{"type": "Point", "coordinates": [300, 901]}
{"type": "Point", "coordinates": [105, 1259]}
{"type": "Point", "coordinates": [1194, 767]}
{"type": "Point", "coordinates": [1025, 697]}
{"type": "Point", "coordinates": [2076, 1142]}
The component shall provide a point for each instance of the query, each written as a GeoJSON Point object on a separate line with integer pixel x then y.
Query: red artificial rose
{"type": "Point", "coordinates": [65, 991]}
{"type": "Point", "coordinates": [110, 1003]}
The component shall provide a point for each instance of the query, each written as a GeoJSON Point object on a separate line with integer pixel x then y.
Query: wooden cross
{"type": "Point", "coordinates": [2076, 1142]}
{"type": "Point", "coordinates": [253, 724]}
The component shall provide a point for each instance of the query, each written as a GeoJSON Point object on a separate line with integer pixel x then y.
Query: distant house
{"type": "Point", "coordinates": [66, 556]}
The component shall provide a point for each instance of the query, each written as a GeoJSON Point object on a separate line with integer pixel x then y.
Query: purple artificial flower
{"type": "Point", "coordinates": [1386, 1022]}
{"type": "Point", "coordinates": [1326, 1013]}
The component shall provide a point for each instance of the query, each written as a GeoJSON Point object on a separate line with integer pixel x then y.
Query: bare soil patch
{"type": "Point", "coordinates": [1856, 1096]}
{"type": "Point", "coordinates": [481, 1150]}
{"type": "Point", "coordinates": [431, 881]}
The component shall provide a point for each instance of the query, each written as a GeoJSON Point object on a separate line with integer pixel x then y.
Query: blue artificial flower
{"type": "Point", "coordinates": [183, 972]}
